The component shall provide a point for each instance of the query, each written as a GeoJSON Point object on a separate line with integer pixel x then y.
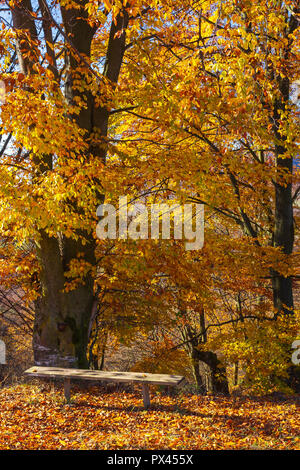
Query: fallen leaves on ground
{"type": "Point", "coordinates": [33, 417]}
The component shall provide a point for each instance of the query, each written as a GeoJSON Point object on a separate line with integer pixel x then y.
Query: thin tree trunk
{"type": "Point", "coordinates": [210, 375]}
{"type": "Point", "coordinates": [236, 374]}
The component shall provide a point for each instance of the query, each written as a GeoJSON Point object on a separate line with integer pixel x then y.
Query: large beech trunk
{"type": "Point", "coordinates": [62, 319]}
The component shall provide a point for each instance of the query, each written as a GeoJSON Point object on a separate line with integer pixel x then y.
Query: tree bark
{"type": "Point", "coordinates": [62, 318]}
{"type": "Point", "coordinates": [209, 373]}
{"type": "Point", "coordinates": [212, 372]}
{"type": "Point", "coordinates": [283, 222]}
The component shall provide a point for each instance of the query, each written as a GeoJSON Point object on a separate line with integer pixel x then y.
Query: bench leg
{"type": "Point", "coordinates": [67, 389]}
{"type": "Point", "coordinates": [146, 395]}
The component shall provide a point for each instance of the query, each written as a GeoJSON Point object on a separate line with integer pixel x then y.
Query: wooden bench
{"type": "Point", "coordinates": [96, 375]}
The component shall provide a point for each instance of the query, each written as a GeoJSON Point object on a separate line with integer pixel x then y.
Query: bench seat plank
{"type": "Point", "coordinates": [108, 376]}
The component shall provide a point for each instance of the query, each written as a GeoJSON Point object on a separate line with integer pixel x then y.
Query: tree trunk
{"type": "Point", "coordinates": [236, 374]}
{"type": "Point", "coordinates": [210, 375]}
{"type": "Point", "coordinates": [212, 372]}
{"type": "Point", "coordinates": [62, 319]}
{"type": "Point", "coordinates": [284, 222]}
{"type": "Point", "coordinates": [197, 376]}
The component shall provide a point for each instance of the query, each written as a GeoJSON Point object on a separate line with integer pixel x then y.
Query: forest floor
{"type": "Point", "coordinates": [35, 417]}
